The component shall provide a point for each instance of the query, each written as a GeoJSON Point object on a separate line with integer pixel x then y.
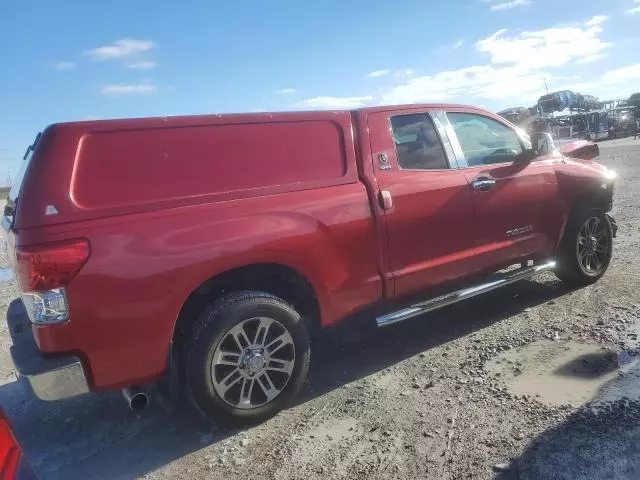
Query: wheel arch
{"type": "Point", "coordinates": [584, 202]}
{"type": "Point", "coordinates": [278, 279]}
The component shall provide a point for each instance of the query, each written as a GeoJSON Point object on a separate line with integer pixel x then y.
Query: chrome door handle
{"type": "Point", "coordinates": [483, 183]}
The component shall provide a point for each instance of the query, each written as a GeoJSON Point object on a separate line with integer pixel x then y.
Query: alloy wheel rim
{"type": "Point", "coordinates": [253, 363]}
{"type": "Point", "coordinates": [593, 246]}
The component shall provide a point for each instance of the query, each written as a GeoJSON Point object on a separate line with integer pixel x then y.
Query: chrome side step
{"type": "Point", "coordinates": [459, 295]}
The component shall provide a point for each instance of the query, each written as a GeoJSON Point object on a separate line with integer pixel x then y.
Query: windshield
{"type": "Point", "coordinates": [17, 183]}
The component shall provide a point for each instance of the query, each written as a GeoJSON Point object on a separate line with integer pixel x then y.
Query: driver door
{"type": "Point", "coordinates": [515, 216]}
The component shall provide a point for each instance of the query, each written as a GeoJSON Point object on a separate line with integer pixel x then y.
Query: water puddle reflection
{"type": "Point", "coordinates": [6, 274]}
{"type": "Point", "coordinates": [567, 372]}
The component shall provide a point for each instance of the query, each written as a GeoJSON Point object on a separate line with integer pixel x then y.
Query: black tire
{"type": "Point", "coordinates": [212, 327]}
{"type": "Point", "coordinates": [570, 269]}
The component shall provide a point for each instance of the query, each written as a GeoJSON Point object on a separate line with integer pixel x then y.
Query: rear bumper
{"type": "Point", "coordinates": [50, 378]}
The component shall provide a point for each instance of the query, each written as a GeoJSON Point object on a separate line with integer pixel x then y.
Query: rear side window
{"type": "Point", "coordinates": [417, 143]}
{"type": "Point", "coordinates": [144, 166]}
{"type": "Point", "coordinates": [484, 141]}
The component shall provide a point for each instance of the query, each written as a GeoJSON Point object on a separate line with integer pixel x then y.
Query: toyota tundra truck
{"type": "Point", "coordinates": [203, 251]}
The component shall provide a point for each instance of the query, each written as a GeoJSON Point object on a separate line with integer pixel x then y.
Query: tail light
{"type": "Point", "coordinates": [43, 272]}
{"type": "Point", "coordinates": [9, 450]}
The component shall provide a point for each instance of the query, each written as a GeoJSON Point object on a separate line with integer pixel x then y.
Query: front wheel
{"type": "Point", "coordinates": [246, 359]}
{"type": "Point", "coordinates": [585, 250]}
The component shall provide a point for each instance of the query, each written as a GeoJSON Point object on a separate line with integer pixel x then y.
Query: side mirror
{"type": "Point", "coordinates": [542, 143]}
{"type": "Point", "coordinates": [581, 149]}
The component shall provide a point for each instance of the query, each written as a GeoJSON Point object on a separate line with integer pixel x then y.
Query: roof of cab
{"type": "Point", "coordinates": [418, 106]}
{"type": "Point", "coordinates": [194, 120]}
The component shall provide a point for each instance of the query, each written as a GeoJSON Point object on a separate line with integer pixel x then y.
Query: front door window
{"type": "Point", "coordinates": [485, 141]}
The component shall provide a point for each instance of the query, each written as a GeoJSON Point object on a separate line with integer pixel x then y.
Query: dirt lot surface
{"type": "Point", "coordinates": [534, 381]}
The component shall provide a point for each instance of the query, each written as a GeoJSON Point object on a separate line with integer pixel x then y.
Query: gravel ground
{"type": "Point", "coordinates": [534, 381]}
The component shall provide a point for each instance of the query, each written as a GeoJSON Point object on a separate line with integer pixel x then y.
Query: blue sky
{"type": "Point", "coordinates": [76, 60]}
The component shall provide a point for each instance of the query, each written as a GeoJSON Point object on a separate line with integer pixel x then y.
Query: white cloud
{"type": "Point", "coordinates": [552, 47]}
{"type": "Point", "coordinates": [509, 5]}
{"type": "Point", "coordinates": [333, 102]}
{"type": "Point", "coordinates": [123, 48]}
{"type": "Point", "coordinates": [618, 83]}
{"type": "Point", "coordinates": [518, 66]}
{"type": "Point", "coordinates": [634, 10]}
{"type": "Point", "coordinates": [61, 66]}
{"type": "Point", "coordinates": [285, 91]}
{"type": "Point", "coordinates": [592, 58]}
{"type": "Point", "coordinates": [142, 65]}
{"type": "Point", "coordinates": [132, 89]}
{"type": "Point", "coordinates": [378, 73]}
{"type": "Point", "coordinates": [446, 48]}
{"type": "Point", "coordinates": [480, 81]}
{"type": "Point", "coordinates": [624, 74]}
{"type": "Point", "coordinates": [596, 20]}
{"type": "Point", "coordinates": [405, 72]}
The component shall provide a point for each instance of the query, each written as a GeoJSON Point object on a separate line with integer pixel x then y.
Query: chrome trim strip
{"type": "Point", "coordinates": [444, 137]}
{"type": "Point", "coordinates": [463, 294]}
{"type": "Point", "coordinates": [461, 161]}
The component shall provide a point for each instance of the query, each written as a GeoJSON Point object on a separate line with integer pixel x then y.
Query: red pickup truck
{"type": "Point", "coordinates": [205, 249]}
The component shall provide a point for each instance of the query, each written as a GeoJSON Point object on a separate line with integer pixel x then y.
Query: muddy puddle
{"type": "Point", "coordinates": [564, 372]}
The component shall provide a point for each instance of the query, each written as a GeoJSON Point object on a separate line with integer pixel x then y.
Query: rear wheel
{"type": "Point", "coordinates": [246, 359]}
{"type": "Point", "coordinates": [586, 248]}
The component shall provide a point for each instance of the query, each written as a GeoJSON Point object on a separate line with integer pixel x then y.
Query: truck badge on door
{"type": "Point", "coordinates": [383, 159]}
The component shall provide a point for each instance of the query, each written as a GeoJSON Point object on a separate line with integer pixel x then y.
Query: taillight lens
{"type": "Point", "coordinates": [9, 450]}
{"type": "Point", "coordinates": [50, 266]}
{"type": "Point", "coordinates": [43, 272]}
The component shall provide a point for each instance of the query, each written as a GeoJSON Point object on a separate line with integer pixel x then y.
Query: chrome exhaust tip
{"type": "Point", "coordinates": [136, 398]}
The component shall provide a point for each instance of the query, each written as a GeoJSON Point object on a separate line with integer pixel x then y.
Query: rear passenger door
{"type": "Point", "coordinates": [514, 201]}
{"type": "Point", "coordinates": [425, 201]}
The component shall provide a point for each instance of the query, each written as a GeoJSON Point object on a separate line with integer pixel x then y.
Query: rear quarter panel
{"type": "Point", "coordinates": [125, 301]}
